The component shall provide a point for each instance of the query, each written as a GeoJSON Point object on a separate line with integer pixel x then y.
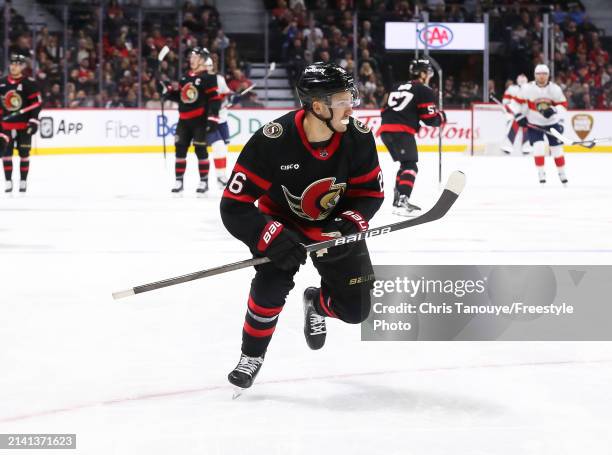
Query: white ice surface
{"type": "Point", "coordinates": [147, 374]}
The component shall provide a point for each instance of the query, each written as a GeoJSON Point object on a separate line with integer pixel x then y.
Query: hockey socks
{"type": "Point", "coordinates": [219, 156]}
{"type": "Point", "coordinates": [24, 168]}
{"type": "Point", "coordinates": [560, 162]}
{"type": "Point", "coordinates": [203, 169]}
{"type": "Point", "coordinates": [7, 163]}
{"type": "Point", "coordinates": [259, 325]}
{"type": "Point", "coordinates": [404, 181]}
{"type": "Point", "coordinates": [179, 168]}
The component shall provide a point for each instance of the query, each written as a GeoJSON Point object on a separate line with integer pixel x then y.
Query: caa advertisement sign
{"type": "Point", "coordinates": [443, 36]}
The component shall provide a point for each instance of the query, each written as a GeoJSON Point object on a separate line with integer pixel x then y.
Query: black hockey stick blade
{"type": "Point", "coordinates": [454, 186]}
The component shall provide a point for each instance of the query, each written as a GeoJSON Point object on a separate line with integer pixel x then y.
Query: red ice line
{"type": "Point", "coordinates": [152, 396]}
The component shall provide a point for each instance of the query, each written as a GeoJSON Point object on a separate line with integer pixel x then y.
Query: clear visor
{"type": "Point", "coordinates": [353, 101]}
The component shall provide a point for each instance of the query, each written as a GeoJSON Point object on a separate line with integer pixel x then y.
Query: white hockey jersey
{"type": "Point", "coordinates": [224, 91]}
{"type": "Point", "coordinates": [510, 98]}
{"type": "Point", "coordinates": [532, 99]}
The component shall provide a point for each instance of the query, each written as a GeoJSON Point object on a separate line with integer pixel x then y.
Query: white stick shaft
{"type": "Point", "coordinates": [162, 54]}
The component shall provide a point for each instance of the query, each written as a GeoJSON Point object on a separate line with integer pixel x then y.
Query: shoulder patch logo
{"type": "Point", "coordinates": [272, 130]}
{"type": "Point", "coordinates": [361, 126]}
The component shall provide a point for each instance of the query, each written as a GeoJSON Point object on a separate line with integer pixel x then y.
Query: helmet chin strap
{"type": "Point", "coordinates": [327, 121]}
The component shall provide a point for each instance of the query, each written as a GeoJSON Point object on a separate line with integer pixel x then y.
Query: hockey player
{"type": "Point", "coordinates": [21, 103]}
{"type": "Point", "coordinates": [408, 104]}
{"type": "Point", "coordinates": [316, 176]}
{"type": "Point", "coordinates": [515, 132]}
{"type": "Point", "coordinates": [542, 104]}
{"type": "Point", "coordinates": [219, 138]}
{"type": "Point", "coordinates": [199, 103]}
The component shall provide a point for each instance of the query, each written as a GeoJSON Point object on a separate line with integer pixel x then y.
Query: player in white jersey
{"type": "Point", "coordinates": [542, 106]}
{"type": "Point", "coordinates": [516, 134]}
{"type": "Point", "coordinates": [219, 139]}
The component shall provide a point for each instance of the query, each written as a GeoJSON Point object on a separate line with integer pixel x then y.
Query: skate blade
{"type": "Point", "coordinates": [201, 195]}
{"type": "Point", "coordinates": [406, 214]}
{"type": "Point", "coordinates": [237, 392]}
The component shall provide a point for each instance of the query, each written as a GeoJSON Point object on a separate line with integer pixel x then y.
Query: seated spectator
{"type": "Point", "coordinates": [238, 81]}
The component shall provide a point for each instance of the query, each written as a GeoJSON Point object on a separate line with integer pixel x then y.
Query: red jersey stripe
{"type": "Point", "coordinates": [364, 193]}
{"type": "Point", "coordinates": [373, 174]}
{"type": "Point", "coordinates": [395, 128]}
{"type": "Point", "coordinates": [257, 180]}
{"type": "Point", "coordinates": [191, 114]}
{"type": "Point", "coordinates": [247, 198]}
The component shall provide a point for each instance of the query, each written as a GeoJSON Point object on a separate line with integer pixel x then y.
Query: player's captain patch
{"type": "Point", "coordinates": [361, 126]}
{"type": "Point", "coordinates": [272, 130]}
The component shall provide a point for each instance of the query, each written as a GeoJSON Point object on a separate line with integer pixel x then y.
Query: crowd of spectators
{"type": "Point", "coordinates": [322, 30]}
{"type": "Point", "coordinates": [304, 31]}
{"type": "Point", "coordinates": [118, 84]}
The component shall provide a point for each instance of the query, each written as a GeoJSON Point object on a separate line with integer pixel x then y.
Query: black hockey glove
{"type": "Point", "coordinates": [32, 126]}
{"type": "Point", "coordinates": [442, 117]}
{"type": "Point", "coordinates": [548, 112]}
{"type": "Point", "coordinates": [282, 246]}
{"type": "Point", "coordinates": [558, 127]}
{"type": "Point", "coordinates": [161, 88]}
{"type": "Point", "coordinates": [521, 120]}
{"type": "Point", "coordinates": [345, 223]}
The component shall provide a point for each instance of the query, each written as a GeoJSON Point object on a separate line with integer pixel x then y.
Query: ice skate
{"type": "Point", "coordinates": [405, 208]}
{"type": "Point", "coordinates": [222, 182]}
{"type": "Point", "coordinates": [542, 175]}
{"type": "Point", "coordinates": [563, 178]}
{"type": "Point", "coordinates": [178, 186]}
{"type": "Point", "coordinates": [23, 186]}
{"type": "Point", "coordinates": [245, 373]}
{"type": "Point", "coordinates": [507, 147]}
{"type": "Point", "coordinates": [395, 197]}
{"type": "Point", "coordinates": [8, 186]}
{"type": "Point", "coordinates": [202, 187]}
{"type": "Point", "coordinates": [315, 329]}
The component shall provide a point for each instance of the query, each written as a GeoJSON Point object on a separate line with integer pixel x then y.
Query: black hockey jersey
{"type": "Point", "coordinates": [198, 96]}
{"type": "Point", "coordinates": [21, 100]}
{"type": "Point", "coordinates": [299, 185]}
{"type": "Point", "coordinates": [408, 104]}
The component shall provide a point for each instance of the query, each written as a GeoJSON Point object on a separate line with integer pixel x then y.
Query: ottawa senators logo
{"type": "Point", "coordinates": [12, 101]}
{"type": "Point", "coordinates": [318, 200]}
{"type": "Point", "coordinates": [360, 126]}
{"type": "Point", "coordinates": [189, 93]}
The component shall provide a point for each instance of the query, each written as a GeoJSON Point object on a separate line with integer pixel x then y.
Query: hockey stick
{"type": "Point", "coordinates": [506, 110]}
{"type": "Point", "coordinates": [554, 133]}
{"type": "Point", "coordinates": [245, 91]}
{"type": "Point", "coordinates": [19, 112]}
{"type": "Point", "coordinates": [451, 192]}
{"type": "Point", "coordinates": [160, 58]}
{"type": "Point", "coordinates": [591, 143]}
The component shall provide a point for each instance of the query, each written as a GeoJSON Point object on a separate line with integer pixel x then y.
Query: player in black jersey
{"type": "Point", "coordinates": [408, 104]}
{"type": "Point", "coordinates": [199, 102]}
{"type": "Point", "coordinates": [315, 175]}
{"type": "Point", "coordinates": [21, 102]}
